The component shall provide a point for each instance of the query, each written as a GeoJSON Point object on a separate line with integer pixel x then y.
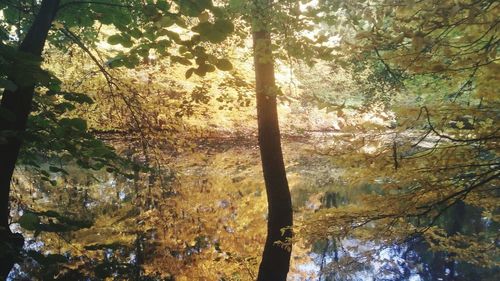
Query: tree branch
{"type": "Point", "coordinates": [433, 129]}
{"type": "Point", "coordinates": [65, 5]}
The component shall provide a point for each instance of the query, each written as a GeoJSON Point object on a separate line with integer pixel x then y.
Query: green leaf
{"type": "Point", "coordinates": [54, 85]}
{"type": "Point", "coordinates": [236, 4]}
{"type": "Point", "coordinates": [55, 169]}
{"type": "Point", "coordinates": [131, 61]}
{"type": "Point", "coordinates": [150, 10]}
{"type": "Point", "coordinates": [63, 107]}
{"type": "Point", "coordinates": [216, 37]}
{"type": "Point", "coordinates": [114, 39]}
{"type": "Point", "coordinates": [203, 28]}
{"type": "Point", "coordinates": [76, 123]}
{"type": "Point", "coordinates": [224, 26]}
{"type": "Point", "coordinates": [136, 33]}
{"type": "Point", "coordinates": [123, 39]}
{"type": "Point", "coordinates": [224, 65]}
{"type": "Point", "coordinates": [29, 221]}
{"type": "Point", "coordinates": [193, 8]}
{"type": "Point", "coordinates": [116, 61]}
{"type": "Point", "coordinates": [163, 5]}
{"type": "Point", "coordinates": [126, 41]}
{"type": "Point", "coordinates": [166, 21]}
{"type": "Point", "coordinates": [78, 98]}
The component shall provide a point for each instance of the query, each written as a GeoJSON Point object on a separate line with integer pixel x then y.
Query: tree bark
{"type": "Point", "coordinates": [18, 103]}
{"type": "Point", "coordinates": [275, 259]}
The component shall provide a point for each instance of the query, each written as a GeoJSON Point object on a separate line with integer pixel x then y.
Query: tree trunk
{"type": "Point", "coordinates": [18, 103]}
{"type": "Point", "coordinates": [275, 259]}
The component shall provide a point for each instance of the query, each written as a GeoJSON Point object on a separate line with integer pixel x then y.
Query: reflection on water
{"type": "Point", "coordinates": [230, 177]}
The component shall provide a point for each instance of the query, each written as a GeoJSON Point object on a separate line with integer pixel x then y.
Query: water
{"type": "Point", "coordinates": [208, 221]}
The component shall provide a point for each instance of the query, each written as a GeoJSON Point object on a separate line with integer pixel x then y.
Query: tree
{"type": "Point", "coordinates": [442, 159]}
{"type": "Point", "coordinates": [144, 24]}
{"type": "Point", "coordinates": [18, 103]}
{"type": "Point", "coordinates": [275, 258]}
{"type": "Point", "coordinates": [285, 22]}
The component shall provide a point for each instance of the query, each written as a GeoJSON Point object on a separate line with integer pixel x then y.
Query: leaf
{"type": "Point", "coordinates": [29, 221]}
{"type": "Point", "coordinates": [166, 21]}
{"type": "Point", "coordinates": [55, 169]}
{"type": "Point", "coordinates": [114, 39]}
{"type": "Point", "coordinates": [136, 33]}
{"type": "Point", "coordinates": [224, 65]}
{"type": "Point", "coordinates": [216, 37]}
{"type": "Point", "coordinates": [236, 4]}
{"type": "Point", "coordinates": [63, 107]}
{"type": "Point", "coordinates": [204, 17]}
{"type": "Point", "coordinates": [181, 60]}
{"type": "Point", "coordinates": [163, 5]}
{"type": "Point", "coordinates": [123, 39]}
{"type": "Point", "coordinates": [203, 28]}
{"type": "Point", "coordinates": [48, 260]}
{"type": "Point", "coordinates": [206, 68]}
{"type": "Point", "coordinates": [189, 73]}
{"type": "Point", "coordinates": [78, 98]}
{"type": "Point", "coordinates": [76, 123]}
{"type": "Point", "coordinates": [193, 8]}
{"type": "Point", "coordinates": [224, 26]}
{"type": "Point", "coordinates": [150, 10]}
{"type": "Point", "coordinates": [127, 41]}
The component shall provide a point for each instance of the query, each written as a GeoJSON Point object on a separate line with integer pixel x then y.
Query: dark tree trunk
{"type": "Point", "coordinates": [275, 259]}
{"type": "Point", "coordinates": [18, 102]}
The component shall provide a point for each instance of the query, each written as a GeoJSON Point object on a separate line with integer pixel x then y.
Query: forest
{"type": "Point", "coordinates": [238, 140]}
